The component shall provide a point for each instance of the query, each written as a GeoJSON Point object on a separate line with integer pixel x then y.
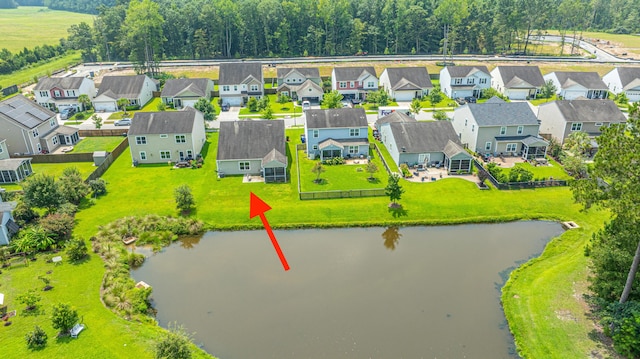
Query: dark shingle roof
{"type": "Point", "coordinates": [400, 77]}
{"type": "Point", "coordinates": [24, 111]}
{"type": "Point", "coordinates": [589, 80]}
{"type": "Point", "coordinates": [514, 75]}
{"type": "Point", "coordinates": [175, 86]}
{"type": "Point", "coordinates": [629, 75]}
{"type": "Point", "coordinates": [118, 87]}
{"type": "Point", "coordinates": [234, 73]}
{"type": "Point", "coordinates": [307, 72]}
{"type": "Point", "coordinates": [352, 73]}
{"type": "Point", "coordinates": [65, 83]}
{"type": "Point", "coordinates": [588, 110]}
{"type": "Point", "coordinates": [395, 116]}
{"type": "Point", "coordinates": [166, 122]}
{"type": "Point", "coordinates": [336, 118]}
{"type": "Point", "coordinates": [502, 113]}
{"type": "Point", "coordinates": [420, 137]}
{"type": "Point", "coordinates": [464, 71]}
{"type": "Point", "coordinates": [251, 139]}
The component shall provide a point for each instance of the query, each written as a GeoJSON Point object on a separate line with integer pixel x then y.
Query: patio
{"type": "Point", "coordinates": [432, 174]}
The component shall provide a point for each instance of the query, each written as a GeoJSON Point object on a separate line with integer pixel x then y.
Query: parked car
{"type": "Point", "coordinates": [306, 105]}
{"type": "Point", "coordinates": [123, 122]}
{"type": "Point", "coordinates": [225, 107]}
{"type": "Point", "coordinates": [67, 113]}
{"type": "Point", "coordinates": [470, 99]}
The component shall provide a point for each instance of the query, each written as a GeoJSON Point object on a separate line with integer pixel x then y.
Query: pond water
{"type": "Point", "coordinates": [414, 292]}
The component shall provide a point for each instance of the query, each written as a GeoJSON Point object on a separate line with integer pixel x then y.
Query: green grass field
{"type": "Point", "coordinates": [39, 25]}
{"type": "Point", "coordinates": [90, 144]}
{"type": "Point", "coordinates": [26, 75]}
{"type": "Point", "coordinates": [554, 170]}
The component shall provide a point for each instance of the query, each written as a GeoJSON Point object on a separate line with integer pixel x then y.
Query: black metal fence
{"type": "Point", "coordinates": [518, 185]}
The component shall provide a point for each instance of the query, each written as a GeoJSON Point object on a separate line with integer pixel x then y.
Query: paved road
{"type": "Point", "coordinates": [601, 54]}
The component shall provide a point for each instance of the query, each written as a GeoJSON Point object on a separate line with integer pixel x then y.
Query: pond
{"type": "Point", "coordinates": [413, 292]}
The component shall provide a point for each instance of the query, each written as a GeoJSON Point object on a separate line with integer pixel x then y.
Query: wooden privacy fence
{"type": "Point", "coordinates": [100, 170]}
{"type": "Point", "coordinates": [62, 158]}
{"type": "Point", "coordinates": [103, 132]}
{"type": "Point", "coordinates": [519, 185]}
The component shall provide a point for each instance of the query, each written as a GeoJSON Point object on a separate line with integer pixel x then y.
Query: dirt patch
{"type": "Point", "coordinates": [565, 315]}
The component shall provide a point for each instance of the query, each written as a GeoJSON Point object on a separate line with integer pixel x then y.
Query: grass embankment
{"type": "Point", "coordinates": [47, 67]}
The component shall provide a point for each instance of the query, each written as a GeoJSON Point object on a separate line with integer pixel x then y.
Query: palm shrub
{"type": "Point", "coordinates": [77, 249]}
{"type": "Point", "coordinates": [36, 338]}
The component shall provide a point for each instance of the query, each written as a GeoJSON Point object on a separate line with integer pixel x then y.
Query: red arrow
{"type": "Point", "coordinates": [257, 208]}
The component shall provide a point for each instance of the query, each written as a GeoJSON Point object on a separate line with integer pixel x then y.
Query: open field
{"type": "Point", "coordinates": [616, 44]}
{"type": "Point", "coordinates": [19, 24]}
{"type": "Point", "coordinates": [48, 67]}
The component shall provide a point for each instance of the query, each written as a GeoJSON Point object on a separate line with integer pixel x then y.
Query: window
{"type": "Point", "coordinates": [352, 84]}
{"type": "Point", "coordinates": [225, 88]}
{"type": "Point", "coordinates": [39, 147]}
{"type": "Point", "coordinates": [465, 121]}
{"type": "Point", "coordinates": [164, 136]}
{"type": "Point", "coordinates": [141, 140]}
{"type": "Point", "coordinates": [354, 132]}
{"type": "Point", "coordinates": [598, 124]}
{"type": "Point", "coordinates": [512, 147]}
{"type": "Point", "coordinates": [244, 166]}
{"type": "Point", "coordinates": [353, 149]}
{"type": "Point", "coordinates": [487, 146]}
{"type": "Point", "coordinates": [471, 80]}
{"type": "Point", "coordinates": [235, 87]}
{"type": "Point", "coordinates": [56, 93]}
{"type": "Point", "coordinates": [371, 84]}
{"type": "Point", "coordinates": [52, 122]}
{"type": "Point", "coordinates": [473, 127]}
{"type": "Point", "coordinates": [35, 132]}
{"type": "Point", "coordinates": [314, 147]}
{"type": "Point", "coordinates": [315, 133]}
{"type": "Point", "coordinates": [576, 126]}
{"type": "Point", "coordinates": [285, 93]}
{"type": "Point", "coordinates": [54, 140]}
{"type": "Point", "coordinates": [254, 88]}
{"type": "Point", "coordinates": [482, 81]}
{"type": "Point", "coordinates": [190, 153]}
{"type": "Point", "coordinates": [1, 150]}
{"type": "Point", "coordinates": [44, 93]}
{"type": "Point", "coordinates": [71, 93]}
{"type": "Point", "coordinates": [143, 155]}
{"type": "Point", "coordinates": [343, 85]}
{"type": "Point", "coordinates": [458, 81]}
{"type": "Point", "coordinates": [181, 139]}
{"type": "Point", "coordinates": [520, 130]}
{"type": "Point", "coordinates": [503, 130]}
{"type": "Point", "coordinates": [165, 155]}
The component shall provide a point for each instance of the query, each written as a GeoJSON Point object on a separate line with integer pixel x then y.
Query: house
{"type": "Point", "coordinates": [571, 85]}
{"type": "Point", "coordinates": [13, 170]}
{"type": "Point", "coordinates": [341, 132]}
{"type": "Point", "coordinates": [56, 93]}
{"type": "Point", "coordinates": [464, 81]}
{"type": "Point", "coordinates": [354, 82]}
{"type": "Point", "coordinates": [253, 148]}
{"type": "Point", "coordinates": [517, 82]}
{"type": "Point", "coordinates": [500, 128]}
{"type": "Point", "coordinates": [32, 129]}
{"type": "Point", "coordinates": [239, 81]}
{"type": "Point", "coordinates": [406, 83]}
{"type": "Point", "coordinates": [301, 84]}
{"type": "Point", "coordinates": [186, 92]}
{"type": "Point", "coordinates": [137, 89]}
{"type": "Point", "coordinates": [7, 225]}
{"type": "Point", "coordinates": [560, 118]}
{"type": "Point", "coordinates": [624, 79]}
{"type": "Point", "coordinates": [423, 143]}
{"type": "Point", "coordinates": [160, 137]}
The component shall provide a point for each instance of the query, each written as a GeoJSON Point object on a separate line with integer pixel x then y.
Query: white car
{"type": "Point", "coordinates": [306, 105]}
{"type": "Point", "coordinates": [123, 122]}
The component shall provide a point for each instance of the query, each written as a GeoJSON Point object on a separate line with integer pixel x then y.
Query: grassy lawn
{"type": "Point", "coordinates": [91, 144]}
{"type": "Point", "coordinates": [277, 108]}
{"type": "Point", "coordinates": [26, 75]}
{"type": "Point", "coordinates": [16, 25]}
{"type": "Point", "coordinates": [151, 106]}
{"type": "Point", "coordinates": [74, 119]}
{"type": "Point", "coordinates": [540, 101]}
{"type": "Point", "coordinates": [554, 170]}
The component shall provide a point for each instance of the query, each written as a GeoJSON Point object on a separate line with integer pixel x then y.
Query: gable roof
{"type": "Point", "coordinates": [500, 113]}
{"type": "Point", "coordinates": [174, 87]}
{"type": "Point", "coordinates": [452, 149]}
{"type": "Point", "coordinates": [395, 116]}
{"type": "Point", "coordinates": [307, 72]}
{"type": "Point", "coordinates": [117, 87]}
{"type": "Point", "coordinates": [353, 73]}
{"type": "Point", "coordinates": [419, 137]}
{"type": "Point", "coordinates": [64, 83]}
{"type": "Point", "coordinates": [629, 77]}
{"type": "Point", "coordinates": [299, 88]}
{"type": "Point", "coordinates": [165, 122]}
{"type": "Point", "coordinates": [408, 78]}
{"type": "Point", "coordinates": [336, 118]}
{"type": "Point", "coordinates": [465, 71]}
{"type": "Point", "coordinates": [234, 73]}
{"type": "Point", "coordinates": [588, 110]}
{"type": "Point", "coordinates": [513, 76]}
{"type": "Point", "coordinates": [589, 80]}
{"type": "Point", "coordinates": [25, 112]}
{"type": "Point", "coordinates": [252, 140]}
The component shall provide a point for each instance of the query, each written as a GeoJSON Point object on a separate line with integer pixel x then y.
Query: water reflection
{"type": "Point", "coordinates": [391, 237]}
{"type": "Point", "coordinates": [188, 242]}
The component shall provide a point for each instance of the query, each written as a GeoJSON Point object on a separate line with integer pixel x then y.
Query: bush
{"type": "Point", "coordinates": [161, 106]}
{"type": "Point", "coordinates": [79, 116]}
{"type": "Point", "coordinates": [135, 260]}
{"type": "Point", "coordinates": [36, 338]}
{"type": "Point", "coordinates": [63, 317]}
{"type": "Point", "coordinates": [30, 299]}
{"type": "Point", "coordinates": [252, 104]}
{"type": "Point", "coordinates": [132, 107]}
{"type": "Point", "coordinates": [69, 209]}
{"type": "Point", "coordinates": [24, 214]}
{"type": "Point", "coordinates": [98, 187]}
{"type": "Point", "coordinates": [76, 249]}
{"type": "Point", "coordinates": [174, 344]}
{"type": "Point", "coordinates": [405, 170]}
{"type": "Point", "coordinates": [58, 226]}
{"type": "Point", "coordinates": [621, 322]}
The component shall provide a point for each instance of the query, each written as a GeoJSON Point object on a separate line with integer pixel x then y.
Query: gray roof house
{"type": "Point", "coordinates": [464, 81]}
{"type": "Point", "coordinates": [301, 84]}
{"type": "Point", "coordinates": [500, 128]}
{"type": "Point", "coordinates": [186, 92]}
{"type": "Point", "coordinates": [406, 83]}
{"type": "Point", "coordinates": [354, 82]}
{"type": "Point", "coordinates": [7, 226]}
{"type": "Point", "coordinates": [624, 79]}
{"type": "Point", "coordinates": [56, 93]}
{"type": "Point", "coordinates": [423, 144]}
{"type": "Point", "coordinates": [253, 148]}
{"type": "Point", "coordinates": [13, 170]}
{"type": "Point", "coordinates": [517, 82]}
{"type": "Point", "coordinates": [240, 80]}
{"type": "Point", "coordinates": [168, 136]}
{"type": "Point", "coordinates": [572, 85]}
{"type": "Point", "coordinates": [341, 132]}
{"type": "Point", "coordinates": [560, 118]}
{"type": "Point", "coordinates": [137, 89]}
{"type": "Point", "coordinates": [32, 129]}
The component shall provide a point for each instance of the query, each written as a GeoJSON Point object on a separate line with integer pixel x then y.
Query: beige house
{"type": "Point", "coordinates": [160, 137]}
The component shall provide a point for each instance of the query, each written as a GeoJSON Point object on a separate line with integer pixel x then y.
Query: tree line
{"type": "Point", "coordinates": [10, 62]}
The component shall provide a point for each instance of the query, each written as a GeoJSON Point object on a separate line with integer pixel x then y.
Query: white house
{"type": "Point", "coordinates": [137, 89]}
{"type": "Point", "coordinates": [406, 83]}
{"type": "Point", "coordinates": [186, 92]}
{"type": "Point", "coordinates": [624, 79]}
{"type": "Point", "coordinates": [354, 82]}
{"type": "Point", "coordinates": [517, 82]}
{"type": "Point", "coordinates": [464, 81]}
{"type": "Point", "coordinates": [572, 85]}
{"type": "Point", "coordinates": [57, 93]}
{"type": "Point", "coordinates": [240, 80]}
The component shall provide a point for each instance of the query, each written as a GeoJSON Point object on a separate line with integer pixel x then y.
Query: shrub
{"type": "Point", "coordinates": [72, 186]}
{"type": "Point", "coordinates": [98, 187]}
{"type": "Point", "coordinates": [58, 226]}
{"type": "Point", "coordinates": [63, 317]}
{"type": "Point", "coordinates": [184, 198]}
{"type": "Point", "coordinates": [162, 106]}
{"type": "Point", "coordinates": [80, 116]}
{"type": "Point", "coordinates": [622, 323]}
{"type": "Point", "coordinates": [30, 299]}
{"type": "Point", "coordinates": [76, 249]}
{"type": "Point", "coordinates": [24, 214]}
{"type": "Point", "coordinates": [405, 170]}
{"type": "Point", "coordinates": [69, 209]}
{"type": "Point", "coordinates": [36, 338]}
{"type": "Point", "coordinates": [174, 344]}
{"type": "Point", "coordinates": [135, 260]}
{"type": "Point", "coordinates": [252, 104]}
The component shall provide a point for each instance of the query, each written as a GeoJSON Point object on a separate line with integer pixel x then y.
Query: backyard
{"type": "Point", "coordinates": [54, 169]}
{"type": "Point", "coordinates": [91, 144]}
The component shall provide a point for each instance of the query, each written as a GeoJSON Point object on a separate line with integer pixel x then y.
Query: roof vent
{"type": "Point", "coordinates": [404, 149]}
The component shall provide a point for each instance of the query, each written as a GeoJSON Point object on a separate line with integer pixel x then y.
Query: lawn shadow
{"type": "Point", "coordinates": [86, 203]}
{"type": "Point", "coordinates": [84, 260]}
{"type": "Point", "coordinates": [374, 180]}
{"type": "Point", "coordinates": [32, 312]}
{"type": "Point", "coordinates": [63, 338]}
{"type": "Point", "coordinates": [321, 182]}
{"type": "Point", "coordinates": [205, 149]}
{"type": "Point", "coordinates": [398, 212]}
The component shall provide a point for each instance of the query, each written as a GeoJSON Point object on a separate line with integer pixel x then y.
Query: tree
{"type": "Point", "coordinates": [122, 105]}
{"type": "Point", "coordinates": [63, 317]}
{"type": "Point", "coordinates": [622, 98]}
{"type": "Point", "coordinates": [440, 116]}
{"type": "Point", "coordinates": [98, 187]}
{"type": "Point", "coordinates": [76, 249]}
{"type": "Point", "coordinates": [379, 98]}
{"type": "Point", "coordinates": [416, 106]}
{"type": "Point", "coordinates": [548, 89]}
{"type": "Point", "coordinates": [142, 34]}
{"type": "Point", "coordinates": [36, 338]}
{"type": "Point", "coordinates": [371, 168]}
{"type": "Point", "coordinates": [30, 299]}
{"type": "Point", "coordinates": [318, 169]}
{"type": "Point", "coordinates": [394, 190]}
{"type": "Point", "coordinates": [435, 96]}
{"type": "Point", "coordinates": [97, 121]}
{"type": "Point", "coordinates": [184, 198]}
{"type": "Point", "coordinates": [85, 101]}
{"type": "Point", "coordinates": [332, 99]}
{"type": "Point", "coordinates": [42, 191]}
{"type": "Point", "coordinates": [72, 186]}
{"type": "Point", "coordinates": [57, 226]}
{"type": "Point", "coordinates": [252, 104]}
{"type": "Point", "coordinates": [81, 38]}
{"type": "Point", "coordinates": [206, 108]}
{"type": "Point", "coordinates": [263, 103]}
{"type": "Point", "coordinates": [175, 344]}
{"type": "Point", "coordinates": [267, 113]}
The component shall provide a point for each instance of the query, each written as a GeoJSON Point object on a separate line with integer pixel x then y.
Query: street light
{"type": "Point", "coordinates": [294, 112]}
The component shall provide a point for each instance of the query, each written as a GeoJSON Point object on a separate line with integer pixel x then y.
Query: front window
{"type": "Point", "coordinates": [235, 87]}
{"type": "Point", "coordinates": [141, 140]}
{"type": "Point", "coordinates": [598, 124]}
{"type": "Point", "coordinates": [56, 93]}
{"type": "Point", "coordinates": [354, 132]}
{"type": "Point", "coordinates": [254, 88]}
{"type": "Point", "coordinates": [39, 147]}
{"type": "Point", "coordinates": [458, 81]}
{"type": "Point", "coordinates": [314, 147]}
{"type": "Point", "coordinates": [487, 146]}
{"type": "Point", "coordinates": [343, 85]}
{"type": "Point", "coordinates": [471, 80]}
{"type": "Point", "coordinates": [316, 133]}
{"type": "Point", "coordinates": [244, 166]}
{"type": "Point", "coordinates": [577, 126]}
{"type": "Point", "coordinates": [371, 84]}
{"type": "Point", "coordinates": [483, 81]}
{"type": "Point", "coordinates": [225, 88]}
{"type": "Point", "coordinates": [54, 140]}
{"type": "Point", "coordinates": [52, 122]}
{"type": "Point", "coordinates": [181, 139]}
{"type": "Point", "coordinates": [503, 130]}
{"type": "Point", "coordinates": [35, 132]}
{"type": "Point", "coordinates": [143, 155]}
{"type": "Point", "coordinates": [352, 84]}
{"type": "Point", "coordinates": [44, 93]}
{"type": "Point", "coordinates": [353, 149]}
{"type": "Point", "coordinates": [165, 155]}
{"type": "Point", "coordinates": [520, 130]}
{"type": "Point", "coordinates": [512, 147]}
